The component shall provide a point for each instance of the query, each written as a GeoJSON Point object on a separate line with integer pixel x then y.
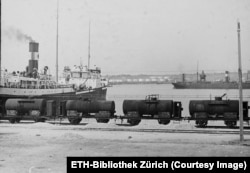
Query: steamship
{"type": "Point", "coordinates": [203, 84]}
{"type": "Point", "coordinates": [30, 84]}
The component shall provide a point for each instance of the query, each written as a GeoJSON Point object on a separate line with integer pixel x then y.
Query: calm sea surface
{"type": "Point", "coordinates": [118, 93]}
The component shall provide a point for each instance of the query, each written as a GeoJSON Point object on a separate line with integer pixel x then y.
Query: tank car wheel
{"type": "Point", "coordinates": [18, 120]}
{"type": "Point", "coordinates": [133, 122]}
{"type": "Point", "coordinates": [230, 124]}
{"type": "Point", "coordinates": [164, 122]}
{"type": "Point", "coordinates": [102, 120]}
{"type": "Point", "coordinates": [75, 121]}
{"type": "Point", "coordinates": [12, 120]}
{"type": "Point", "coordinates": [201, 123]}
{"type": "Point", "coordinates": [42, 120]}
{"type": "Point", "coordinates": [78, 121]}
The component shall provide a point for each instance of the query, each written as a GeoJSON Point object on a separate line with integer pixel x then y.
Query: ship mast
{"type": "Point", "coordinates": [57, 18]}
{"type": "Point", "coordinates": [89, 48]}
{"type": "Point", "coordinates": [0, 42]}
{"type": "Point", "coordinates": [240, 85]}
{"type": "Point", "coordinates": [197, 73]}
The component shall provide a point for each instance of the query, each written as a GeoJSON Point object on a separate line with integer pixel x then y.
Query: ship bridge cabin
{"type": "Point", "coordinates": [81, 78]}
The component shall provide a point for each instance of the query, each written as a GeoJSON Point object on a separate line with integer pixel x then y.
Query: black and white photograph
{"type": "Point", "coordinates": [124, 79]}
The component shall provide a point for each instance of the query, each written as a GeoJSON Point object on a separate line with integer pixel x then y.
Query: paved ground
{"type": "Point", "coordinates": [43, 147]}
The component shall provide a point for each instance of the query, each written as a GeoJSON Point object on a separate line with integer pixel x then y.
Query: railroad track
{"type": "Point", "coordinates": [164, 130]}
{"type": "Point", "coordinates": [127, 128]}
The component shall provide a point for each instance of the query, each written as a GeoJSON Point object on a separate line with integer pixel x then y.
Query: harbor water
{"type": "Point", "coordinates": [118, 93]}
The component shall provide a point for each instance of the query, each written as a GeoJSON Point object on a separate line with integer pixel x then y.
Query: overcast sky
{"type": "Point", "coordinates": [129, 36]}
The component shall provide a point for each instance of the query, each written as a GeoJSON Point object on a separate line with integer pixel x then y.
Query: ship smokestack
{"type": "Point", "coordinates": [183, 78]}
{"type": "Point", "coordinates": [33, 62]}
{"type": "Point", "coordinates": [227, 78]}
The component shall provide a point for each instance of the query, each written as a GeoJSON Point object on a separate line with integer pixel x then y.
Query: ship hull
{"type": "Point", "coordinates": [60, 93]}
{"type": "Point", "coordinates": [209, 85]}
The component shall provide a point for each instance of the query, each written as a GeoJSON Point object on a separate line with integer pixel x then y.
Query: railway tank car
{"type": "Point", "coordinates": [134, 111]}
{"type": "Point", "coordinates": [18, 109]}
{"type": "Point", "coordinates": [163, 110]}
{"type": "Point", "coordinates": [218, 109]}
{"type": "Point", "coordinates": [77, 109]}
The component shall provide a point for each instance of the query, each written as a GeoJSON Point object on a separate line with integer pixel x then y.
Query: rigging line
{"type": "Point", "coordinates": [57, 19]}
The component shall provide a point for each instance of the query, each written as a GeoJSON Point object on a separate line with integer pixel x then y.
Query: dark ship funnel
{"type": "Point", "coordinates": [227, 78]}
{"type": "Point", "coordinates": [183, 78]}
{"type": "Point", "coordinates": [33, 47]}
{"type": "Point", "coordinates": [33, 62]}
